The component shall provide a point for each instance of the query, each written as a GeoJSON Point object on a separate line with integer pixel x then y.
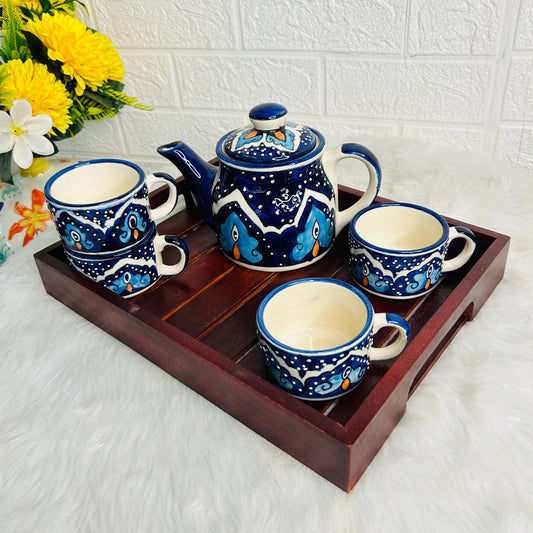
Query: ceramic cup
{"type": "Point", "coordinates": [102, 205]}
{"type": "Point", "coordinates": [316, 336]}
{"type": "Point", "coordinates": [397, 250]}
{"type": "Point", "coordinates": [134, 270]}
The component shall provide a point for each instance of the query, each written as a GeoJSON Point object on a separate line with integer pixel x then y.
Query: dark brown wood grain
{"type": "Point", "coordinates": [199, 326]}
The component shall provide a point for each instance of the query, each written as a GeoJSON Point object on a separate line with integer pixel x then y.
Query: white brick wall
{"type": "Point", "coordinates": [454, 72]}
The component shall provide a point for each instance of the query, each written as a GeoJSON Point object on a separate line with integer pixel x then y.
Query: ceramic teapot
{"type": "Point", "coordinates": [272, 200]}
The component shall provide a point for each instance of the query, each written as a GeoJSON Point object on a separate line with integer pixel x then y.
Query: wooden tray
{"type": "Point", "coordinates": [199, 326]}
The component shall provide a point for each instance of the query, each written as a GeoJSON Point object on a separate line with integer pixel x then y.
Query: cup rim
{"type": "Point", "coordinates": [314, 353]}
{"type": "Point", "coordinates": [391, 251]}
{"type": "Point", "coordinates": [102, 204]}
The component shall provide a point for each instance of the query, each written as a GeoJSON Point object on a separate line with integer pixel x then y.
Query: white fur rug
{"type": "Point", "coordinates": [93, 438]}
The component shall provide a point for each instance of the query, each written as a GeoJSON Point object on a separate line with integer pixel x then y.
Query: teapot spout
{"type": "Point", "coordinates": [198, 174]}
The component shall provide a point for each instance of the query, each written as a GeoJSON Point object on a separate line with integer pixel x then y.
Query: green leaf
{"type": "Point", "coordinates": [102, 99]}
{"type": "Point", "coordinates": [74, 129]}
{"type": "Point", "coordinates": [81, 4]}
{"type": "Point", "coordinates": [6, 97]}
{"type": "Point", "coordinates": [37, 49]}
{"type": "Point", "coordinates": [13, 45]}
{"type": "Point", "coordinates": [28, 13]}
{"type": "Point", "coordinates": [115, 85]}
{"type": "Point", "coordinates": [46, 5]}
{"type": "Point", "coordinates": [121, 99]}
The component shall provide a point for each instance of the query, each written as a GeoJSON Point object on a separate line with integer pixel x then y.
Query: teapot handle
{"type": "Point", "coordinates": [359, 152]}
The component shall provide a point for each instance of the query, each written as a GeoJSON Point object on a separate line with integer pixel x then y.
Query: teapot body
{"type": "Point", "coordinates": [272, 200]}
{"type": "Point", "coordinates": [276, 218]}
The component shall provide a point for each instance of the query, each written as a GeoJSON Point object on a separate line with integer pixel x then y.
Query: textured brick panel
{"type": "Point", "coordinates": [454, 26]}
{"type": "Point", "coordinates": [148, 130]}
{"type": "Point", "coordinates": [439, 91]}
{"type": "Point", "coordinates": [430, 69]}
{"type": "Point", "coordinates": [515, 146]}
{"type": "Point", "coordinates": [168, 24]}
{"type": "Point", "coordinates": [239, 83]}
{"type": "Point", "coordinates": [461, 138]}
{"type": "Point", "coordinates": [518, 103]}
{"type": "Point", "coordinates": [524, 30]}
{"type": "Point", "coordinates": [341, 130]}
{"type": "Point", "coordinates": [150, 78]}
{"type": "Point", "coordinates": [327, 25]}
{"type": "Point", "coordinates": [101, 137]}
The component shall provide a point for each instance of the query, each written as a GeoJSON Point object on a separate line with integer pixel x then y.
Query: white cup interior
{"type": "Point", "coordinates": [315, 316]}
{"type": "Point", "coordinates": [399, 228]}
{"type": "Point", "coordinates": [93, 183]}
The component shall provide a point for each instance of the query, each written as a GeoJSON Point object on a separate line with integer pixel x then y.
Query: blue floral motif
{"type": "Point", "coordinates": [76, 238]}
{"type": "Point", "coordinates": [371, 279]}
{"type": "Point", "coordinates": [235, 240]}
{"type": "Point", "coordinates": [348, 378]}
{"type": "Point", "coordinates": [281, 378]}
{"type": "Point", "coordinates": [248, 137]}
{"type": "Point", "coordinates": [284, 138]}
{"type": "Point", "coordinates": [422, 281]}
{"type": "Point", "coordinates": [321, 386]}
{"type": "Point", "coordinates": [128, 282]}
{"type": "Point", "coordinates": [392, 274]}
{"type": "Point", "coordinates": [133, 223]}
{"type": "Point", "coordinates": [318, 232]}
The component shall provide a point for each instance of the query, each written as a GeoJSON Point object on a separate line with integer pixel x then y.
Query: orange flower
{"type": "Point", "coordinates": [33, 219]}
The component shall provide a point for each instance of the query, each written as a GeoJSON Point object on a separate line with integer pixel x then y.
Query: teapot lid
{"type": "Point", "coordinates": [269, 140]}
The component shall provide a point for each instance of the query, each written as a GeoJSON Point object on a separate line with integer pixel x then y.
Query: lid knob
{"type": "Point", "coordinates": [268, 117]}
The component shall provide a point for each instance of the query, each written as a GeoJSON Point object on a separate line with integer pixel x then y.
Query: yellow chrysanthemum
{"type": "Point", "coordinates": [86, 56]}
{"type": "Point", "coordinates": [33, 82]}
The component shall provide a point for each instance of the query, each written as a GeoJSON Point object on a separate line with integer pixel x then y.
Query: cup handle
{"type": "Point", "coordinates": [460, 232]}
{"type": "Point", "coordinates": [160, 243]}
{"type": "Point", "coordinates": [359, 152]}
{"type": "Point", "coordinates": [390, 320]}
{"type": "Point", "coordinates": [166, 207]}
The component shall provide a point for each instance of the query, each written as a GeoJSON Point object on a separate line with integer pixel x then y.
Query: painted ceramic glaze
{"type": "Point", "coordinates": [102, 205]}
{"type": "Point", "coordinates": [398, 250]}
{"type": "Point", "coordinates": [316, 337]}
{"type": "Point", "coordinates": [273, 198]}
{"type": "Point", "coordinates": [131, 272]}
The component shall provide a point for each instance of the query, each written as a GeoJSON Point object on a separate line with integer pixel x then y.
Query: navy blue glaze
{"type": "Point", "coordinates": [267, 111]}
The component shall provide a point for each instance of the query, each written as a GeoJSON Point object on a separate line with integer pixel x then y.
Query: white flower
{"type": "Point", "coordinates": [24, 134]}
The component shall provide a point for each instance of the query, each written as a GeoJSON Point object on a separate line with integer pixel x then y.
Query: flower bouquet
{"type": "Point", "coordinates": [55, 74]}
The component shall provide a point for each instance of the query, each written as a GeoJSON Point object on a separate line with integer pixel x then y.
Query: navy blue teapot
{"type": "Point", "coordinates": [272, 200]}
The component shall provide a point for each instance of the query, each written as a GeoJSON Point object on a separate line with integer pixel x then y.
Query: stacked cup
{"type": "Point", "coordinates": [102, 212]}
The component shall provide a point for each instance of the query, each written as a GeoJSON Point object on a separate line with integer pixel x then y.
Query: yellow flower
{"type": "Point", "coordinates": [39, 166]}
{"type": "Point", "coordinates": [86, 56]}
{"type": "Point", "coordinates": [32, 81]}
{"type": "Point", "coordinates": [35, 5]}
